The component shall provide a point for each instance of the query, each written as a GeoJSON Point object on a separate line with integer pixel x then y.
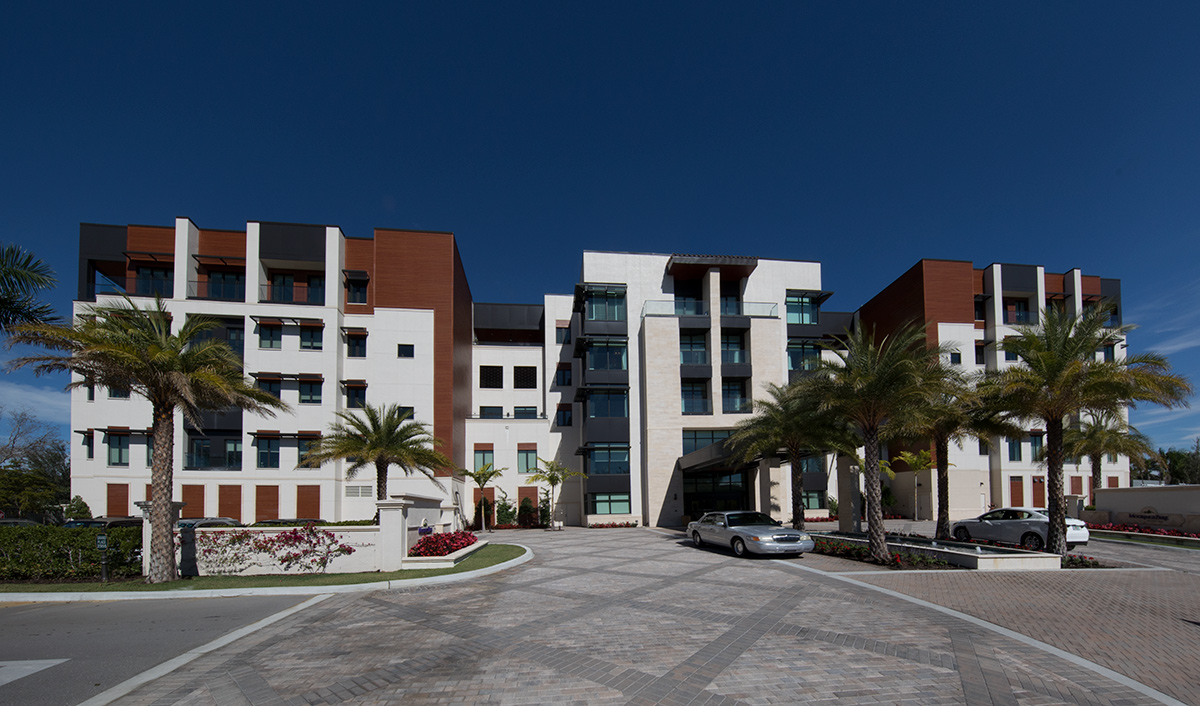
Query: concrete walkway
{"type": "Point", "coordinates": [638, 616]}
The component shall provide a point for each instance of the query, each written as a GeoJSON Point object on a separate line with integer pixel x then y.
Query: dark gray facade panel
{"type": "Point", "coordinates": [604, 328]}
{"type": "Point", "coordinates": [289, 241]}
{"type": "Point", "coordinates": [606, 430]}
{"type": "Point", "coordinates": [700, 323]}
{"type": "Point", "coordinates": [1018, 278]}
{"type": "Point", "coordinates": [603, 483]}
{"type": "Point", "coordinates": [700, 372]}
{"type": "Point", "coordinates": [519, 317]}
{"type": "Point", "coordinates": [736, 370]}
{"type": "Point", "coordinates": [605, 377]}
{"type": "Point", "coordinates": [98, 242]}
{"type": "Point", "coordinates": [735, 322]}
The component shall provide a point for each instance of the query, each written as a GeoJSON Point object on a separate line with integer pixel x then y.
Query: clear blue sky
{"type": "Point", "coordinates": [863, 135]}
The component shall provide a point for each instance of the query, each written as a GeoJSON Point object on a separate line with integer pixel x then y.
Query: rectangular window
{"type": "Point", "coordinates": [356, 291]}
{"type": "Point", "coordinates": [227, 286]}
{"type": "Point", "coordinates": [984, 448]}
{"type": "Point", "coordinates": [91, 393]}
{"type": "Point", "coordinates": [606, 355]}
{"type": "Point", "coordinates": [489, 412]}
{"type": "Point", "coordinates": [358, 491]}
{"type": "Point", "coordinates": [149, 450]}
{"type": "Point", "coordinates": [310, 391]}
{"type": "Point", "coordinates": [316, 289]}
{"type": "Point", "coordinates": [525, 377]}
{"type": "Point", "coordinates": [281, 288]}
{"type": "Point", "coordinates": [562, 376]}
{"type": "Point", "coordinates": [311, 338]}
{"type": "Point", "coordinates": [273, 386]}
{"type": "Point", "coordinates": [305, 445]}
{"type": "Point", "coordinates": [405, 350]}
{"type": "Point", "coordinates": [562, 417]}
{"type": "Point", "coordinates": [733, 397]}
{"type": "Point", "coordinates": [199, 453]}
{"type": "Point", "coordinates": [356, 346]}
{"type": "Point", "coordinates": [1110, 353]}
{"type": "Point", "coordinates": [608, 460]}
{"type": "Point", "coordinates": [268, 453]}
{"type": "Point", "coordinates": [1010, 356]}
{"type": "Point", "coordinates": [483, 457]}
{"type": "Point", "coordinates": [700, 438]}
{"type": "Point", "coordinates": [233, 453]}
{"type": "Point", "coordinates": [89, 443]}
{"type": "Point", "coordinates": [1111, 458]}
{"type": "Point", "coordinates": [980, 354]}
{"type": "Point", "coordinates": [694, 395]}
{"type": "Point", "coordinates": [980, 310]}
{"type": "Point", "coordinates": [155, 281]}
{"type": "Point", "coordinates": [608, 404]}
{"type": "Point", "coordinates": [527, 461]}
{"type": "Point", "coordinates": [562, 334]}
{"type": "Point", "coordinates": [733, 348]}
{"type": "Point", "coordinates": [955, 358]}
{"type": "Point", "coordinates": [356, 397]}
{"type": "Point", "coordinates": [118, 394]}
{"type": "Point", "coordinates": [525, 413]}
{"type": "Point", "coordinates": [1014, 449]}
{"type": "Point", "coordinates": [801, 309]}
{"type": "Point", "coordinates": [693, 350]}
{"type": "Point", "coordinates": [1035, 448]}
{"type": "Point", "coordinates": [118, 449]}
{"type": "Point", "coordinates": [608, 503]}
{"type": "Point", "coordinates": [407, 413]}
{"type": "Point", "coordinates": [606, 305]}
{"type": "Point", "coordinates": [803, 355]}
{"type": "Point", "coordinates": [491, 377]}
{"type": "Point", "coordinates": [270, 336]}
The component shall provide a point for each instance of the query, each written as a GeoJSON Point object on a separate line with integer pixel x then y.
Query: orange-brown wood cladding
{"type": "Point", "coordinates": [221, 243]}
{"type": "Point", "coordinates": [931, 291]}
{"type": "Point", "coordinates": [117, 500]}
{"type": "Point", "coordinates": [1091, 285]}
{"type": "Point", "coordinates": [266, 502]}
{"type": "Point", "coordinates": [308, 501]}
{"type": "Point", "coordinates": [1055, 283]}
{"type": "Point", "coordinates": [977, 277]}
{"type": "Point", "coordinates": [527, 491]}
{"type": "Point", "coordinates": [360, 255]}
{"type": "Point", "coordinates": [193, 498]}
{"type": "Point", "coordinates": [158, 239]}
{"type": "Point", "coordinates": [229, 501]}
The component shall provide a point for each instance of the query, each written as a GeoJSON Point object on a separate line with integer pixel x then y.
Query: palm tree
{"type": "Point", "coordinates": [1104, 433]}
{"type": "Point", "coordinates": [791, 419]}
{"type": "Point", "coordinates": [130, 349]}
{"type": "Point", "coordinates": [874, 385]}
{"type": "Point", "coordinates": [552, 473]}
{"type": "Point", "coordinates": [482, 476]}
{"type": "Point", "coordinates": [22, 276]}
{"type": "Point", "coordinates": [1059, 376]}
{"type": "Point", "coordinates": [382, 437]}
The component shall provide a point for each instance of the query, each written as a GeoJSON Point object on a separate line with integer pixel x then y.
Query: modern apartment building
{"type": "Point", "coordinates": [633, 379]}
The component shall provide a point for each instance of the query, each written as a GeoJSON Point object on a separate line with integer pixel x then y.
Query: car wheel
{"type": "Point", "coordinates": [961, 534]}
{"type": "Point", "coordinates": [1071, 547]}
{"type": "Point", "coordinates": [1033, 542]}
{"type": "Point", "coordinates": [696, 539]}
{"type": "Point", "coordinates": [739, 547]}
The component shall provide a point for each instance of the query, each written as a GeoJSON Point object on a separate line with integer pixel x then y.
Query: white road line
{"type": "Point", "coordinates": [15, 669]}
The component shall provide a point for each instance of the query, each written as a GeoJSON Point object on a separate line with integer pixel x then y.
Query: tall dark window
{"type": "Point", "coordinates": [356, 291]}
{"type": "Point", "coordinates": [155, 281]}
{"type": "Point", "coordinates": [733, 348]}
{"type": "Point", "coordinates": [268, 453]}
{"type": "Point", "coordinates": [562, 417]}
{"type": "Point", "coordinates": [356, 397]}
{"type": "Point", "coordinates": [118, 449]}
{"type": "Point", "coordinates": [282, 287]}
{"type": "Point", "coordinates": [607, 355]}
{"type": "Point", "coordinates": [562, 334]}
{"type": "Point", "coordinates": [562, 376]}
{"type": "Point", "coordinates": [693, 349]}
{"type": "Point", "coordinates": [316, 289]}
{"type": "Point", "coordinates": [803, 355]}
{"type": "Point", "coordinates": [356, 346]}
{"type": "Point", "coordinates": [733, 397]}
{"type": "Point", "coordinates": [608, 404]}
{"type": "Point", "coordinates": [227, 286]}
{"type": "Point", "coordinates": [311, 338]}
{"type": "Point", "coordinates": [606, 306]}
{"type": "Point", "coordinates": [491, 377]}
{"type": "Point", "coordinates": [694, 395]}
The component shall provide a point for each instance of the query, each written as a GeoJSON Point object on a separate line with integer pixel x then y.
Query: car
{"type": "Point", "coordinates": [1023, 526]}
{"type": "Point", "coordinates": [198, 522]}
{"type": "Point", "coordinates": [287, 522]}
{"type": "Point", "coordinates": [17, 522]}
{"type": "Point", "coordinates": [746, 532]}
{"type": "Point", "coordinates": [104, 522]}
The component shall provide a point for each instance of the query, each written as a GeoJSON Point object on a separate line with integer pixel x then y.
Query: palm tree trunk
{"type": "Point", "coordinates": [1096, 477]}
{"type": "Point", "coordinates": [162, 534]}
{"type": "Point", "coordinates": [875, 533]}
{"type": "Point", "coordinates": [943, 490]}
{"type": "Point", "coordinates": [1056, 536]}
{"type": "Point", "coordinates": [381, 471]}
{"type": "Point", "coordinates": [797, 491]}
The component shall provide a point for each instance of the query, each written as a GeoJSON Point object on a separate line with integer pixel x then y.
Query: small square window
{"type": "Point", "coordinates": [310, 392]}
{"type": "Point", "coordinates": [407, 413]}
{"type": "Point", "coordinates": [955, 358]}
{"type": "Point", "coordinates": [491, 412]}
{"type": "Point", "coordinates": [118, 394]}
{"type": "Point", "coordinates": [1010, 356]}
{"type": "Point", "coordinates": [272, 386]}
{"type": "Point", "coordinates": [491, 377]}
{"type": "Point", "coordinates": [562, 334]}
{"type": "Point", "coordinates": [270, 336]}
{"type": "Point", "coordinates": [356, 397]}
{"type": "Point", "coordinates": [525, 377]}
{"type": "Point", "coordinates": [562, 376]}
{"type": "Point", "coordinates": [562, 417]}
{"type": "Point", "coordinates": [311, 338]}
{"type": "Point", "coordinates": [356, 346]}
{"type": "Point", "coordinates": [405, 350]}
{"type": "Point", "coordinates": [356, 291]}
{"type": "Point", "coordinates": [984, 448]}
{"type": "Point", "coordinates": [525, 413]}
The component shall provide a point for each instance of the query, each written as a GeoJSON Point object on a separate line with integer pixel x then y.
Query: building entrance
{"type": "Point", "coordinates": [706, 491]}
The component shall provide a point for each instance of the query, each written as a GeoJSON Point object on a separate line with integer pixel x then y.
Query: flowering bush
{"type": "Point", "coordinates": [226, 552]}
{"type": "Point", "coordinates": [442, 544]}
{"type": "Point", "coordinates": [1114, 527]}
{"type": "Point", "coordinates": [896, 560]}
{"type": "Point", "coordinates": [605, 525]}
{"type": "Point", "coordinates": [308, 548]}
{"type": "Point", "coordinates": [1078, 561]}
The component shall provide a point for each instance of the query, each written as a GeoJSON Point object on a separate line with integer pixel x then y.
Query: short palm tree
{"type": "Point", "coordinates": [379, 436]}
{"type": "Point", "coordinates": [791, 419]}
{"type": "Point", "coordinates": [1059, 376]}
{"type": "Point", "coordinates": [874, 385]}
{"type": "Point", "coordinates": [1104, 433]}
{"type": "Point", "coordinates": [553, 474]}
{"type": "Point", "coordinates": [131, 349]}
{"type": "Point", "coordinates": [482, 476]}
{"type": "Point", "coordinates": [22, 276]}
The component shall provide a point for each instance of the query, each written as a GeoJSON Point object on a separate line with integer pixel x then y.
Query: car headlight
{"type": "Point", "coordinates": [804, 538]}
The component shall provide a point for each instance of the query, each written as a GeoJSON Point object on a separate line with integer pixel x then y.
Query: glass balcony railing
{"type": "Point", "coordinates": [690, 307]}
{"type": "Point", "coordinates": [213, 462]}
{"type": "Point", "coordinates": [693, 406]}
{"type": "Point", "coordinates": [735, 356]}
{"type": "Point", "coordinates": [291, 294]}
{"type": "Point", "coordinates": [736, 405]}
{"type": "Point", "coordinates": [132, 286]}
{"type": "Point", "coordinates": [693, 357]}
{"type": "Point", "coordinates": [1018, 317]}
{"type": "Point", "coordinates": [217, 290]}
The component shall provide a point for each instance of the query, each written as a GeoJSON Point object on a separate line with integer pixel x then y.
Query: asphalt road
{"type": "Point", "coordinates": [105, 643]}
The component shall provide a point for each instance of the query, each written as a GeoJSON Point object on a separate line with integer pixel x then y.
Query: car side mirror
{"type": "Point", "coordinates": [720, 524]}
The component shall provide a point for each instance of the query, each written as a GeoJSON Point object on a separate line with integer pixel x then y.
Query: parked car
{"type": "Point", "coordinates": [287, 522]}
{"type": "Point", "coordinates": [105, 522]}
{"type": "Point", "coordinates": [17, 522]}
{"type": "Point", "coordinates": [745, 531]}
{"type": "Point", "coordinates": [1024, 526]}
{"type": "Point", "coordinates": [198, 522]}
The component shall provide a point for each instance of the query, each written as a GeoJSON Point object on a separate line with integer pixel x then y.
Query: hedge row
{"type": "Point", "coordinates": [57, 554]}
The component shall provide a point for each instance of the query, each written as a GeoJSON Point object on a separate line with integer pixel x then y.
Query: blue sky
{"type": "Point", "coordinates": [863, 135]}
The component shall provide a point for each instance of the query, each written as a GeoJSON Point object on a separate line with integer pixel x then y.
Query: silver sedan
{"type": "Point", "coordinates": [745, 531]}
{"type": "Point", "coordinates": [1025, 526]}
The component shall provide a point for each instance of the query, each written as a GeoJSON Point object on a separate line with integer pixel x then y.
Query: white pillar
{"type": "Point", "coordinates": [393, 532]}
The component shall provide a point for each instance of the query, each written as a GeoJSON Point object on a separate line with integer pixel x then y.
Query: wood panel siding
{"type": "Point", "coordinates": [222, 243]}
{"type": "Point", "coordinates": [360, 255]}
{"type": "Point", "coordinates": [527, 491]}
{"type": "Point", "coordinates": [266, 502]}
{"type": "Point", "coordinates": [1055, 283]}
{"type": "Point", "coordinates": [1039, 491]}
{"type": "Point", "coordinates": [931, 291]}
{"type": "Point", "coordinates": [1091, 285]}
{"type": "Point", "coordinates": [977, 277]}
{"type": "Point", "coordinates": [1016, 491]}
{"type": "Point", "coordinates": [117, 500]}
{"type": "Point", "coordinates": [229, 501]}
{"type": "Point", "coordinates": [1076, 485]}
{"type": "Point", "coordinates": [308, 501]}
{"type": "Point", "coordinates": [193, 498]}
{"type": "Point", "coordinates": [156, 239]}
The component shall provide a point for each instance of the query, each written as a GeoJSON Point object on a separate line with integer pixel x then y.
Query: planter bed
{"type": "Point", "coordinates": [443, 562]}
{"type": "Point", "coordinates": [1146, 538]}
{"type": "Point", "coordinates": [970, 556]}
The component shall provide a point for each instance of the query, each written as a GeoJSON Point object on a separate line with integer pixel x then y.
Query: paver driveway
{"type": "Point", "coordinates": [634, 617]}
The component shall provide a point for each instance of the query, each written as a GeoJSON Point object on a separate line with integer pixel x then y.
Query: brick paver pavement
{"type": "Point", "coordinates": [634, 616]}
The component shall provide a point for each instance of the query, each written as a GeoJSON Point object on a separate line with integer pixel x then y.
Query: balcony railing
{"type": "Point", "coordinates": [735, 356]}
{"type": "Point", "coordinates": [755, 309]}
{"type": "Point", "coordinates": [737, 405]}
{"type": "Point", "coordinates": [213, 462]}
{"type": "Point", "coordinates": [291, 294]}
{"type": "Point", "coordinates": [132, 286]}
{"type": "Point", "coordinates": [217, 291]}
{"type": "Point", "coordinates": [696, 407]}
{"type": "Point", "coordinates": [693, 357]}
{"type": "Point", "coordinates": [1018, 317]}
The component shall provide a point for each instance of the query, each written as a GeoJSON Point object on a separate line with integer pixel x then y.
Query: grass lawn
{"type": "Point", "coordinates": [490, 555]}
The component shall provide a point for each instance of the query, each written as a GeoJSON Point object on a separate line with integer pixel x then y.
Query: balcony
{"type": "Point", "coordinates": [132, 286]}
{"type": "Point", "coordinates": [291, 294]}
{"type": "Point", "coordinates": [693, 357]}
{"type": "Point", "coordinates": [737, 405]}
{"type": "Point", "coordinates": [217, 291]}
{"type": "Point", "coordinates": [751, 309]}
{"type": "Point", "coordinates": [1019, 317]}
{"type": "Point", "coordinates": [213, 462]}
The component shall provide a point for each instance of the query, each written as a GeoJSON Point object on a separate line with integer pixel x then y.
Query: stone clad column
{"type": "Point", "coordinates": [392, 545]}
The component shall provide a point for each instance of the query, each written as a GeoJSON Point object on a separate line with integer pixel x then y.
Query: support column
{"type": "Point", "coordinates": [393, 533]}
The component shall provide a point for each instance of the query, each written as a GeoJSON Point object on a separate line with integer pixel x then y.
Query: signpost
{"type": "Point", "coordinates": [102, 545]}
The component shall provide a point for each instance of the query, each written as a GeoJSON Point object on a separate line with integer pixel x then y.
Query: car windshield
{"type": "Point", "coordinates": [742, 519]}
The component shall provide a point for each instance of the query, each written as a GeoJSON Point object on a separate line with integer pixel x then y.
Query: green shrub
{"type": "Point", "coordinates": [57, 554]}
{"type": "Point", "coordinates": [833, 505]}
{"type": "Point", "coordinates": [506, 514]}
{"type": "Point", "coordinates": [527, 516]}
{"type": "Point", "coordinates": [544, 508]}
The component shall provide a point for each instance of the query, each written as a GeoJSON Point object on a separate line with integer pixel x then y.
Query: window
{"type": "Point", "coordinates": [980, 354]}
{"type": "Point", "coordinates": [91, 392]}
{"type": "Point", "coordinates": [226, 286]}
{"type": "Point", "coordinates": [235, 336]}
{"type": "Point", "coordinates": [483, 457]}
{"type": "Point", "coordinates": [233, 453]}
{"type": "Point", "coordinates": [731, 299]}
{"type": "Point", "coordinates": [1014, 449]}
{"type": "Point", "coordinates": [608, 404]}
{"type": "Point", "coordinates": [562, 376]}
{"type": "Point", "coordinates": [693, 350]}
{"type": "Point", "coordinates": [803, 355]}
{"type": "Point", "coordinates": [606, 305]}
{"type": "Point", "coordinates": [562, 417]}
{"type": "Point", "coordinates": [700, 438]}
{"type": "Point", "coordinates": [310, 391]}
{"type": "Point", "coordinates": [491, 377]}
{"type": "Point", "coordinates": [606, 355]}
{"type": "Point", "coordinates": [356, 291]}
{"type": "Point", "coordinates": [89, 443]}
{"type": "Point", "coordinates": [608, 460]}
{"type": "Point", "coordinates": [695, 396]}
{"type": "Point", "coordinates": [814, 499]}
{"type": "Point", "coordinates": [984, 448]}
{"type": "Point", "coordinates": [358, 491]}
{"type": "Point", "coordinates": [306, 445]}
{"type": "Point", "coordinates": [491, 412]}
{"type": "Point", "coordinates": [525, 413]}
{"type": "Point", "coordinates": [955, 358]}
{"type": "Point", "coordinates": [316, 289]}
{"type": "Point", "coordinates": [149, 450]}
{"type": "Point", "coordinates": [270, 336]}
{"type": "Point", "coordinates": [155, 281]}
{"type": "Point", "coordinates": [118, 394]}
{"type": "Point", "coordinates": [405, 350]}
{"type": "Point", "coordinates": [689, 305]}
{"type": "Point", "coordinates": [733, 348]}
{"type": "Point", "coordinates": [1035, 447]}
{"type": "Point", "coordinates": [356, 346]}
{"type": "Point", "coordinates": [356, 397]}
{"type": "Point", "coordinates": [527, 461]}
{"type": "Point", "coordinates": [1110, 353]}
{"type": "Point", "coordinates": [268, 453]}
{"type": "Point", "coordinates": [311, 338]}
{"type": "Point", "coordinates": [407, 413]}
{"type": "Point", "coordinates": [525, 377]}
{"type": "Point", "coordinates": [281, 287]}
{"type": "Point", "coordinates": [272, 386]}
{"type": "Point", "coordinates": [1016, 311]}
{"type": "Point", "coordinates": [801, 309]}
{"type": "Point", "coordinates": [608, 503]}
{"type": "Point", "coordinates": [980, 310]}
{"type": "Point", "coordinates": [562, 334]}
{"type": "Point", "coordinates": [733, 397]}
{"type": "Point", "coordinates": [1010, 355]}
{"type": "Point", "coordinates": [118, 449]}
